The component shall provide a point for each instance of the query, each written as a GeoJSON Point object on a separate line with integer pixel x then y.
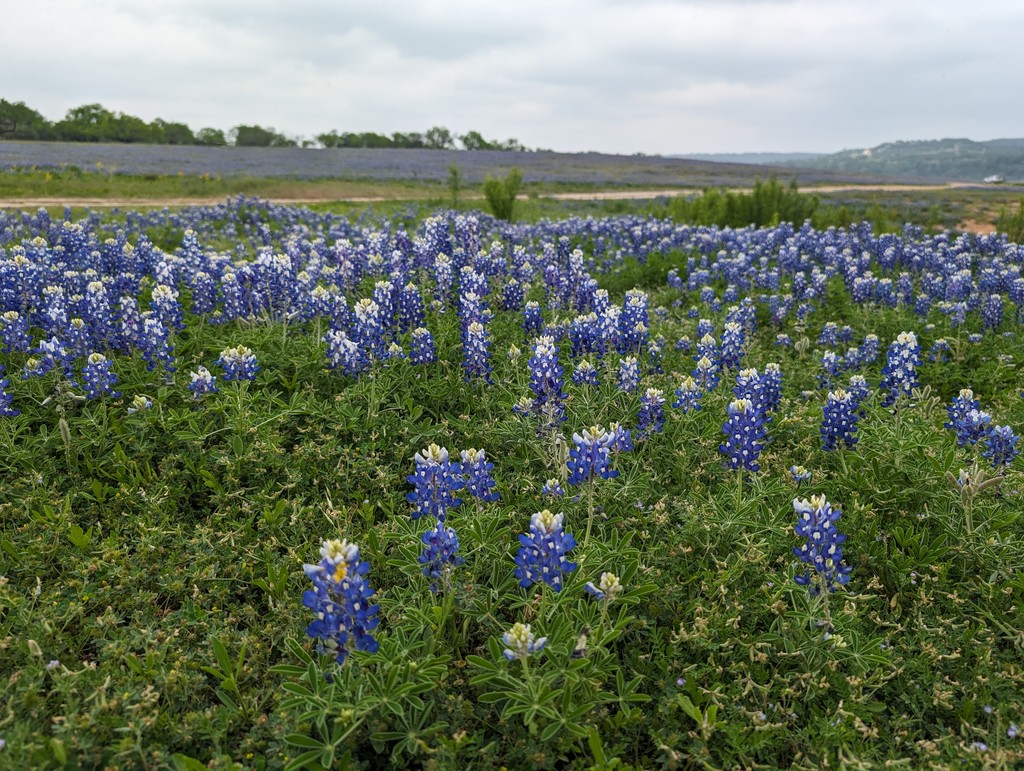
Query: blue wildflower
{"type": "Point", "coordinates": [5, 398]}
{"type": "Point", "coordinates": [744, 430]}
{"type": "Point", "coordinates": [688, 395]}
{"type": "Point", "coordinates": [238, 363]}
{"type": "Point", "coordinates": [799, 474]}
{"type": "Point", "coordinates": [542, 552]}
{"type": "Point", "coordinates": [435, 480]}
{"type": "Point", "coordinates": [608, 587]}
{"type": "Point", "coordinates": [822, 550]}
{"type": "Point", "coordinates": [340, 598]}
{"type": "Point", "coordinates": [477, 475]}
{"type": "Point", "coordinates": [202, 382]}
{"type": "Point", "coordinates": [585, 374]}
{"type": "Point", "coordinates": [440, 555]}
{"type": "Point", "coordinates": [97, 377]}
{"type": "Point", "coordinates": [651, 418]}
{"type": "Point", "coordinates": [520, 643]}
{"type": "Point", "coordinates": [899, 376]}
{"type": "Point", "coordinates": [1001, 446]}
{"type": "Point", "coordinates": [629, 374]}
{"type": "Point", "coordinates": [839, 420]}
{"type": "Point", "coordinates": [590, 456]}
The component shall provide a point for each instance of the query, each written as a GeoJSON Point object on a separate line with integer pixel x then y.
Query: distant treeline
{"type": "Point", "coordinates": [95, 123]}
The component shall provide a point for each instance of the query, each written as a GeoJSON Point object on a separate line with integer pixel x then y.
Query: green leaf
{"type": "Point", "coordinates": [301, 740]}
{"type": "Point", "coordinates": [185, 763]}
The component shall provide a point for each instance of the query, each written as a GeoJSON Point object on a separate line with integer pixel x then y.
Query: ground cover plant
{"type": "Point", "coordinates": [285, 488]}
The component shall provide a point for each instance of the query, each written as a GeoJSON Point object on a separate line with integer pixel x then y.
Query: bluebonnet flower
{"type": "Point", "coordinates": [939, 350]}
{"type": "Point", "coordinates": [590, 456]}
{"type": "Point", "coordinates": [440, 555]}
{"type": "Point", "coordinates": [477, 475]}
{"type": "Point", "coordinates": [705, 327]}
{"type": "Point", "coordinates": [870, 349]}
{"type": "Point", "coordinates": [860, 390]}
{"type": "Point", "coordinates": [684, 344]}
{"type": "Point", "coordinates": [340, 598]}
{"type": "Point", "coordinates": [651, 418]}
{"type": "Point", "coordinates": [706, 374]}
{"type": "Point", "coordinates": [165, 305]}
{"type": "Point", "coordinates": [553, 487]}
{"type": "Point", "coordinates": [477, 356]}
{"type": "Point", "coordinates": [972, 427]}
{"type": "Point", "coordinates": [1001, 446]}
{"type": "Point", "coordinates": [411, 313]}
{"type": "Point", "coordinates": [585, 374]}
{"type": "Point", "coordinates": [957, 409]}
{"type": "Point", "coordinates": [547, 384]}
{"type": "Point", "coordinates": [14, 332]}
{"type": "Point", "coordinates": [992, 312]}
{"type": "Point", "coordinates": [202, 382]}
{"type": "Point", "coordinates": [608, 587]}
{"type": "Point", "coordinates": [744, 430]}
{"type": "Point", "coordinates": [733, 339]}
{"type": "Point", "coordinates": [435, 480]}
{"type": "Point", "coordinates": [5, 398]}
{"type": "Point", "coordinates": [839, 420]}
{"type": "Point", "coordinates": [620, 440]}
{"type": "Point", "coordinates": [520, 643]}
{"type": "Point", "coordinates": [541, 555]}
{"type": "Point", "coordinates": [369, 329]}
{"type": "Point", "coordinates": [783, 340]}
{"type": "Point", "coordinates": [140, 404]}
{"type": "Point", "coordinates": [346, 354]}
{"type": "Point", "coordinates": [799, 474]}
{"type": "Point", "coordinates": [532, 319]}
{"type": "Point", "coordinates": [688, 395]}
{"type": "Point", "coordinates": [629, 374]}
{"type": "Point", "coordinates": [155, 343]}
{"type": "Point", "coordinates": [830, 367]}
{"type": "Point", "coordinates": [238, 363]}
{"type": "Point", "coordinates": [822, 550]}
{"type": "Point", "coordinates": [97, 377]}
{"type": "Point", "coordinates": [771, 384]}
{"type": "Point", "coordinates": [899, 376]}
{"type": "Point", "coordinates": [422, 350]}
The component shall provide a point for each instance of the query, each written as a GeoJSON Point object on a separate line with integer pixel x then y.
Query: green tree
{"type": "Point", "coordinates": [501, 193]}
{"type": "Point", "coordinates": [473, 140]}
{"type": "Point", "coordinates": [172, 133]}
{"type": "Point", "coordinates": [87, 123]}
{"type": "Point", "coordinates": [211, 137]}
{"type": "Point", "coordinates": [439, 138]}
{"type": "Point", "coordinates": [258, 136]}
{"type": "Point", "coordinates": [18, 121]}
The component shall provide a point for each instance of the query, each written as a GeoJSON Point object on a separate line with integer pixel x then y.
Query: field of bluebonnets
{"type": "Point", "coordinates": [283, 488]}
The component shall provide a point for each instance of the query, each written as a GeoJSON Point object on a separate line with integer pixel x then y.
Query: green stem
{"type": "Point", "coordinates": [590, 510]}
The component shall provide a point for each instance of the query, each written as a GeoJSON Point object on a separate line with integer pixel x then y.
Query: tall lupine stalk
{"type": "Point", "coordinates": [340, 598]}
{"type": "Point", "coordinates": [589, 460]}
{"type": "Point", "coordinates": [899, 376]}
{"type": "Point", "coordinates": [547, 384]}
{"type": "Point", "coordinates": [822, 550]}
{"type": "Point", "coordinates": [744, 431]}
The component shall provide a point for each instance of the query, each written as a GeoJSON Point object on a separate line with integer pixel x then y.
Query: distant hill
{"type": "Point", "coordinates": [960, 160]}
{"type": "Point", "coordinates": [758, 159]}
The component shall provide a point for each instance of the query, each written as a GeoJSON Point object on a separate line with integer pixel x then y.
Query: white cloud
{"type": "Point", "coordinates": [613, 75]}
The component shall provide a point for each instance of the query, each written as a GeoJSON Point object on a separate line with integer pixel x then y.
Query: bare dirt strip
{"type": "Point", "coordinates": [594, 195]}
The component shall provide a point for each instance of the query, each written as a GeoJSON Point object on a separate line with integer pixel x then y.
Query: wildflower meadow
{"type": "Point", "coordinates": [285, 488]}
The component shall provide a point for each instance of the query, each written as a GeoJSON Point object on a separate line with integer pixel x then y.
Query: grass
{"type": "Point", "coordinates": [151, 613]}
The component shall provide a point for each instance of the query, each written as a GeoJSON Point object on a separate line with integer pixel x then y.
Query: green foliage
{"type": "Point", "coordinates": [501, 194]}
{"type": "Point", "coordinates": [769, 203]}
{"type": "Point", "coordinates": [258, 136]}
{"type": "Point", "coordinates": [1012, 223]}
{"type": "Point", "coordinates": [454, 184]}
{"type": "Point", "coordinates": [157, 556]}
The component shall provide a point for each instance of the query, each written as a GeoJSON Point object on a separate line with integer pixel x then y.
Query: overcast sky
{"type": "Point", "coordinates": [619, 76]}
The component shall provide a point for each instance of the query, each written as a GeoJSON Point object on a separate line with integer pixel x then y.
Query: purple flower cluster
{"type": "Point", "coordinates": [542, 551]}
{"type": "Point", "coordinates": [822, 550]}
{"type": "Point", "coordinates": [340, 598]}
